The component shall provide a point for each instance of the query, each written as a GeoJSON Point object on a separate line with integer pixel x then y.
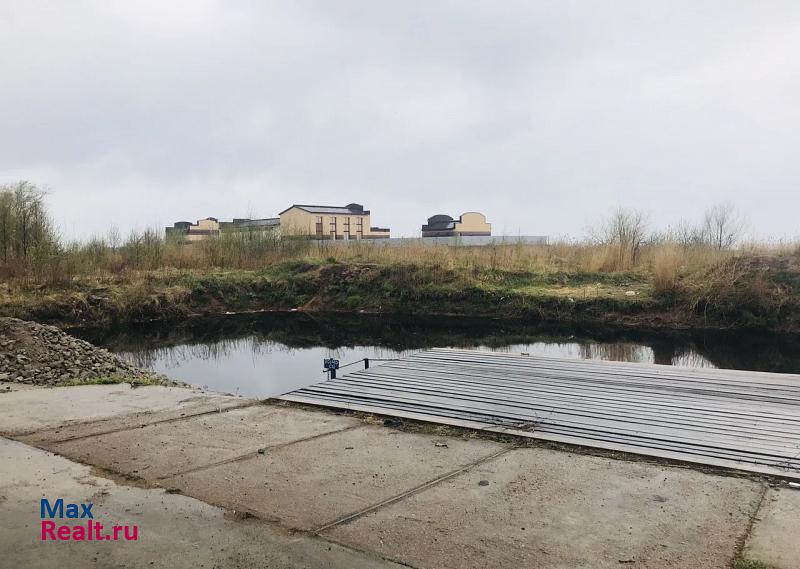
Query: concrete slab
{"type": "Point", "coordinates": [774, 537]}
{"type": "Point", "coordinates": [549, 509]}
{"type": "Point", "coordinates": [308, 484]}
{"type": "Point", "coordinates": [9, 386]}
{"type": "Point", "coordinates": [173, 531]}
{"type": "Point", "coordinates": [157, 450]}
{"type": "Point", "coordinates": [36, 409]}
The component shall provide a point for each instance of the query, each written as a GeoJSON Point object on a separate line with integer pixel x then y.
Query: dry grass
{"type": "Point", "coordinates": [665, 262]}
{"type": "Point", "coordinates": [147, 276]}
{"type": "Point", "coordinates": [666, 265]}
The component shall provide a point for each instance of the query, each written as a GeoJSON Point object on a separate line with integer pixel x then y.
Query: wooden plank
{"type": "Point", "coordinates": [634, 426]}
{"type": "Point", "coordinates": [629, 367]}
{"type": "Point", "coordinates": [599, 397]}
{"type": "Point", "coordinates": [564, 439]}
{"type": "Point", "coordinates": [747, 420]}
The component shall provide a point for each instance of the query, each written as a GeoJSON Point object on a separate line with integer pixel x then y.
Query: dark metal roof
{"type": "Point", "coordinates": [440, 222]}
{"type": "Point", "coordinates": [246, 222]}
{"type": "Point", "coordinates": [349, 209]}
{"type": "Point", "coordinates": [439, 218]}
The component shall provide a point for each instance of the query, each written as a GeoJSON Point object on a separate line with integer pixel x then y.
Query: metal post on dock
{"type": "Point", "coordinates": [331, 365]}
{"type": "Point", "coordinates": [366, 363]}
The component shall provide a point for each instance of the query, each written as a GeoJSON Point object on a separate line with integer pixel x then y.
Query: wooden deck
{"type": "Point", "coordinates": [736, 419]}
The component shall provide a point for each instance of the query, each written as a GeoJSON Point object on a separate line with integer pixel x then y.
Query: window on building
{"type": "Point", "coordinates": [318, 228]}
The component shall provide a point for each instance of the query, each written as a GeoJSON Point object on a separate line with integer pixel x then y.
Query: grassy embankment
{"type": "Point", "coordinates": [691, 275]}
{"type": "Point", "coordinates": [663, 285]}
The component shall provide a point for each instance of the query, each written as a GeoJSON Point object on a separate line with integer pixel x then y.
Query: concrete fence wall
{"type": "Point", "coordinates": [465, 241]}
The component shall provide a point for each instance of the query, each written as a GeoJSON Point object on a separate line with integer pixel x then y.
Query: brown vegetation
{"type": "Point", "coordinates": [689, 275]}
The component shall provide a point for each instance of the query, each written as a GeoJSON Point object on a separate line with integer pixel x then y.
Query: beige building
{"type": "Point", "coordinates": [330, 222]}
{"type": "Point", "coordinates": [212, 226]}
{"type": "Point", "coordinates": [194, 231]}
{"type": "Point", "coordinates": [469, 223]}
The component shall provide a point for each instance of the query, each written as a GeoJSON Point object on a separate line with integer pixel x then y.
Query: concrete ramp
{"type": "Point", "coordinates": [735, 419]}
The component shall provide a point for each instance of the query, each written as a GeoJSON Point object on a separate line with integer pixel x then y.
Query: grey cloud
{"type": "Point", "coordinates": [544, 115]}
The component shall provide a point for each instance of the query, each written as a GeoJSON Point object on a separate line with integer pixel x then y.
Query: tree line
{"type": "Point", "coordinates": [627, 231]}
{"type": "Point", "coordinates": [31, 246]}
{"type": "Point", "coordinates": [26, 230]}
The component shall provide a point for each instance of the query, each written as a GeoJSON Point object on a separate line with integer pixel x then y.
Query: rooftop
{"type": "Point", "coordinates": [440, 222]}
{"type": "Point", "coordinates": [349, 209]}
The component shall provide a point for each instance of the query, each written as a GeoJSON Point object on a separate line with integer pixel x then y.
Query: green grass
{"type": "Point", "coordinates": [732, 295]}
{"type": "Point", "coordinates": [750, 564]}
{"type": "Point", "coordinates": [115, 379]}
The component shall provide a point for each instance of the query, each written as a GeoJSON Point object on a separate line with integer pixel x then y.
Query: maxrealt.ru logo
{"type": "Point", "coordinates": [88, 530]}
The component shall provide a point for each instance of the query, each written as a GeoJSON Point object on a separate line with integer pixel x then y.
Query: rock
{"type": "Point", "coordinates": [44, 355]}
{"type": "Point", "coordinates": [483, 483]}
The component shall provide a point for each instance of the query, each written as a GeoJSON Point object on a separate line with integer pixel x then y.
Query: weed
{"type": "Point", "coordinates": [750, 564]}
{"type": "Point", "coordinates": [116, 379]}
{"type": "Point", "coordinates": [621, 271]}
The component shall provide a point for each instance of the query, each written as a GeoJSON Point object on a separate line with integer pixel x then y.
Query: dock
{"type": "Point", "coordinates": [742, 420]}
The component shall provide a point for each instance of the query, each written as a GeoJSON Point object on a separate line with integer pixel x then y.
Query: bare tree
{"type": "Point", "coordinates": [723, 226]}
{"type": "Point", "coordinates": [6, 223]}
{"type": "Point", "coordinates": [25, 226]}
{"type": "Point", "coordinates": [686, 234]}
{"type": "Point", "coordinates": [625, 230]}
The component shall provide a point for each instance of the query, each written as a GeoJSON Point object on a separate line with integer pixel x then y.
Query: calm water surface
{"type": "Point", "coordinates": [267, 355]}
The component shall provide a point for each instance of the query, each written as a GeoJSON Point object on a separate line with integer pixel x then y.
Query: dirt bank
{"type": "Point", "coordinates": [741, 293]}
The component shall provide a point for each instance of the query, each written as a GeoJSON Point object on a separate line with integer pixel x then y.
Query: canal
{"type": "Point", "coordinates": [269, 354]}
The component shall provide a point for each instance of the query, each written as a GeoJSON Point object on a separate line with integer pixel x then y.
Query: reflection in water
{"type": "Point", "coordinates": [621, 352]}
{"type": "Point", "coordinates": [266, 355]}
{"type": "Point", "coordinates": [251, 367]}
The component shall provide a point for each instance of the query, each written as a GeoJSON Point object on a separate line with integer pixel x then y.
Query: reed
{"type": "Point", "coordinates": [685, 268]}
{"type": "Point", "coordinates": [664, 261]}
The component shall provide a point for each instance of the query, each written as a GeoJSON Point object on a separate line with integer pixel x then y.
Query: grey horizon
{"type": "Point", "coordinates": [544, 116]}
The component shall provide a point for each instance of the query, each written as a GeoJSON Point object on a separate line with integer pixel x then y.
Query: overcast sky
{"type": "Point", "coordinates": [543, 115]}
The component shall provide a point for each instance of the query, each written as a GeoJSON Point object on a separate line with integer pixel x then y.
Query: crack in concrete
{"type": "Point", "coordinates": [20, 436]}
{"type": "Point", "coordinates": [424, 486]}
{"type": "Point", "coordinates": [254, 453]}
{"type": "Point", "coordinates": [741, 541]}
{"type": "Point", "coordinates": [371, 553]}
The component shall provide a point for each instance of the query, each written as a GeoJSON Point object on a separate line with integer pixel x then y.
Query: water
{"type": "Point", "coordinates": [266, 355]}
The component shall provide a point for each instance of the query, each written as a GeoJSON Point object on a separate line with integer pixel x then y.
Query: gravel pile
{"type": "Point", "coordinates": [45, 355]}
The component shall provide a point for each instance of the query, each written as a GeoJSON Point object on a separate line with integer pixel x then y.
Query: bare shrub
{"type": "Point", "coordinates": [622, 235]}
{"type": "Point", "coordinates": [739, 287]}
{"type": "Point", "coordinates": [686, 234]}
{"type": "Point", "coordinates": [723, 226]}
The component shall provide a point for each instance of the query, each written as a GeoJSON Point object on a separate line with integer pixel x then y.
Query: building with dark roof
{"type": "Point", "coordinates": [469, 223]}
{"type": "Point", "coordinates": [351, 221]}
{"type": "Point", "coordinates": [212, 226]}
{"type": "Point", "coordinates": [246, 224]}
{"type": "Point", "coordinates": [194, 231]}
